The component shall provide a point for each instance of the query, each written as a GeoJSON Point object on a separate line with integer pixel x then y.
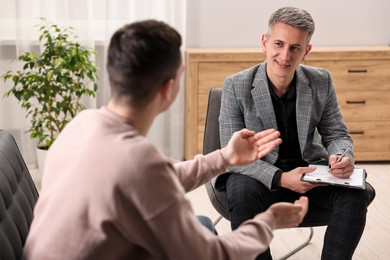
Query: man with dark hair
{"type": "Point", "coordinates": [300, 101]}
{"type": "Point", "coordinates": [107, 193]}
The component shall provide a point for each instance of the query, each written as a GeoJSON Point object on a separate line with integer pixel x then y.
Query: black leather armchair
{"type": "Point", "coordinates": [18, 196]}
{"type": "Point", "coordinates": [314, 217]}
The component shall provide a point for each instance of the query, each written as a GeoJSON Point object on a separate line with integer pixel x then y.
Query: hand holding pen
{"type": "Point", "coordinates": [341, 166]}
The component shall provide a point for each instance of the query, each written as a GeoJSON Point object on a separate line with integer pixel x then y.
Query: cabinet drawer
{"type": "Point", "coordinates": [365, 105]}
{"type": "Point", "coordinates": [370, 136]}
{"type": "Point", "coordinates": [358, 75]}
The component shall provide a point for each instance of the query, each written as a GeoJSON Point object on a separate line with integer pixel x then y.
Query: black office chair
{"type": "Point", "coordinates": [18, 196]}
{"type": "Point", "coordinates": [211, 142]}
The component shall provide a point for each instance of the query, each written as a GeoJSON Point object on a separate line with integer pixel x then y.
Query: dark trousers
{"type": "Point", "coordinates": [248, 197]}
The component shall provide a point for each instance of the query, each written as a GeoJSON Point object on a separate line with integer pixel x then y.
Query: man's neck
{"type": "Point", "coordinates": [280, 85]}
{"type": "Point", "coordinates": [281, 88]}
{"type": "Point", "coordinates": [141, 119]}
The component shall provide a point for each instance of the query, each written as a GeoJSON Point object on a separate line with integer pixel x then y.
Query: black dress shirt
{"type": "Point", "coordinates": [285, 111]}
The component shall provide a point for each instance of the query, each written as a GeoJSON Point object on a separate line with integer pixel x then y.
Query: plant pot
{"type": "Point", "coordinates": [41, 158]}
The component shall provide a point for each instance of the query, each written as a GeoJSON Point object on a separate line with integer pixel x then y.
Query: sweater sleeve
{"type": "Point", "coordinates": [201, 169]}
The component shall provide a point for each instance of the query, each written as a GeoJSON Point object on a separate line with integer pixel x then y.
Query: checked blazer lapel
{"type": "Point", "coordinates": [262, 99]}
{"type": "Point", "coordinates": [303, 107]}
{"type": "Point", "coordinates": [263, 104]}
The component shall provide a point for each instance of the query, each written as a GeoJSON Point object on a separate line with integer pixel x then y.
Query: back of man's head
{"type": "Point", "coordinates": [141, 57]}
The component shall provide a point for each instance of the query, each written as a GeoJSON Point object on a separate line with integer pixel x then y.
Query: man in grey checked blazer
{"type": "Point", "coordinates": [300, 101]}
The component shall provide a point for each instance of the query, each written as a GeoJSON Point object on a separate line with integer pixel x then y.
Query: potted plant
{"type": "Point", "coordinates": [50, 84]}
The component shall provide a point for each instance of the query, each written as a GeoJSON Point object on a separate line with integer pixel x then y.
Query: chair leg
{"type": "Point", "coordinates": [304, 244]}
{"type": "Point", "coordinates": [217, 220]}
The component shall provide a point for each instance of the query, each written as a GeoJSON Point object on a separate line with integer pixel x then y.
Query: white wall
{"type": "Point", "coordinates": [240, 23]}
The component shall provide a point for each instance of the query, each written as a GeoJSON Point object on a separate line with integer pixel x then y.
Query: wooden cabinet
{"type": "Point", "coordinates": [361, 76]}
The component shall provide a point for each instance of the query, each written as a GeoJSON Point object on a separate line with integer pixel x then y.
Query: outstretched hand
{"type": "Point", "coordinates": [246, 146]}
{"type": "Point", "coordinates": [288, 214]}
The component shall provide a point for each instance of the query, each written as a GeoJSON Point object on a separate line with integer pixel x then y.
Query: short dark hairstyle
{"type": "Point", "coordinates": [292, 16]}
{"type": "Point", "coordinates": [142, 56]}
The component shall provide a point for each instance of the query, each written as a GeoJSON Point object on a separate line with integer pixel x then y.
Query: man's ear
{"type": "Point", "coordinates": [264, 41]}
{"type": "Point", "coordinates": [308, 48]}
{"type": "Point", "coordinates": [166, 89]}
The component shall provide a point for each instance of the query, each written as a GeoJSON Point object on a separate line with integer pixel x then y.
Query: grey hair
{"type": "Point", "coordinates": [294, 17]}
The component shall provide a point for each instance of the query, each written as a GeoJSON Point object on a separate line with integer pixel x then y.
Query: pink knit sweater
{"type": "Point", "coordinates": [107, 193]}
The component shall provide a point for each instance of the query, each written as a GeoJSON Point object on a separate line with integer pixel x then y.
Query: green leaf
{"type": "Point", "coordinates": [31, 55]}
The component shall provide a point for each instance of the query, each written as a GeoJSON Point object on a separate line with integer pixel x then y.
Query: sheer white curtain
{"type": "Point", "coordinates": [94, 21]}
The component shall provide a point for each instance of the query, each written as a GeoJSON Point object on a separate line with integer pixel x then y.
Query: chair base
{"type": "Point", "coordinates": [304, 244]}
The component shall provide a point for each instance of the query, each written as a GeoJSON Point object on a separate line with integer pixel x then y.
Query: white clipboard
{"type": "Point", "coordinates": [322, 175]}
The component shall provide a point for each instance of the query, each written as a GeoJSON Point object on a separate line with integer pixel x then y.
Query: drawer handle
{"type": "Point", "coordinates": [357, 71]}
{"type": "Point", "coordinates": [357, 133]}
{"type": "Point", "coordinates": [356, 102]}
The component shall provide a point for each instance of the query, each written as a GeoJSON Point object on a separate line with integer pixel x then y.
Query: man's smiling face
{"type": "Point", "coordinates": [285, 46]}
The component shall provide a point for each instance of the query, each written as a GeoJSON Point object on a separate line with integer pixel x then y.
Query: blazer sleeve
{"type": "Point", "coordinates": [334, 133]}
{"type": "Point", "coordinates": [232, 119]}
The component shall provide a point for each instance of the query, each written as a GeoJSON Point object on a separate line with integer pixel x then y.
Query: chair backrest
{"type": "Point", "coordinates": [211, 142]}
{"type": "Point", "coordinates": [18, 196]}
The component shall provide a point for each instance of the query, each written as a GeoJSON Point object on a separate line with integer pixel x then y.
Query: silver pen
{"type": "Point", "coordinates": [341, 156]}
